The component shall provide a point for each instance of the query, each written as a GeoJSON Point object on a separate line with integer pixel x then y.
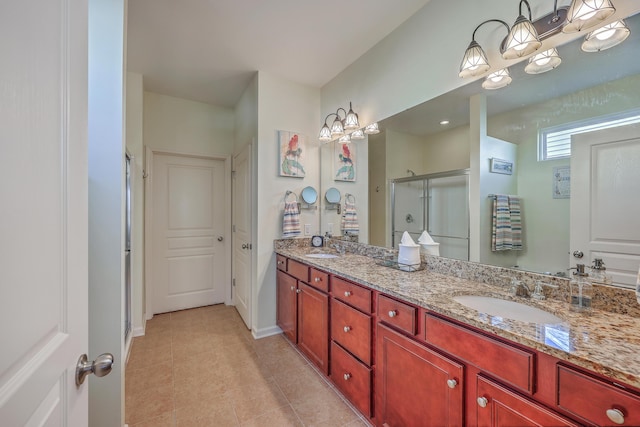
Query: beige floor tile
{"type": "Point", "coordinates": [209, 371]}
{"type": "Point", "coordinates": [166, 420]}
{"type": "Point", "coordinates": [280, 417]}
{"type": "Point", "coordinates": [148, 404]}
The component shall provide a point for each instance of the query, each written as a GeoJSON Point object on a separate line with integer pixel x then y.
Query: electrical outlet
{"type": "Point", "coordinates": [330, 228]}
{"type": "Point", "coordinates": [307, 229]}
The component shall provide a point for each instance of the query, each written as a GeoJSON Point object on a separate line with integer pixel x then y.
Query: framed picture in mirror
{"type": "Point", "coordinates": [345, 162]}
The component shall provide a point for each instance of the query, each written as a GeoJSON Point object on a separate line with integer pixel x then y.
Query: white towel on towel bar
{"type": "Point", "coordinates": [291, 220]}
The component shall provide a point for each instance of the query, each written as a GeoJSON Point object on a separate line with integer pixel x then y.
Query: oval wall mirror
{"type": "Point", "coordinates": [309, 195]}
{"type": "Point", "coordinates": [332, 195]}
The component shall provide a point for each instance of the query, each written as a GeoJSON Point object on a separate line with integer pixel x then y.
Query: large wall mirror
{"type": "Point", "coordinates": [413, 144]}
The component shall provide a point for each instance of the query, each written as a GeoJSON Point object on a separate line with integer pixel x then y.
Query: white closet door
{"type": "Point", "coordinates": [188, 220]}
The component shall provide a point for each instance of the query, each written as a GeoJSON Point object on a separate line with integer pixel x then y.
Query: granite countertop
{"type": "Point", "coordinates": [603, 342]}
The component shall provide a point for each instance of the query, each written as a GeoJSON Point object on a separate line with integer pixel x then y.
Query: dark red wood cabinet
{"type": "Point", "coordinates": [404, 366]}
{"type": "Point", "coordinates": [287, 305]}
{"type": "Point", "coordinates": [498, 406]}
{"type": "Point", "coordinates": [415, 386]}
{"type": "Point", "coordinates": [313, 325]}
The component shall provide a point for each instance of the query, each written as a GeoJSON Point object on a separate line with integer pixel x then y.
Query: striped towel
{"type": "Point", "coordinates": [506, 230]}
{"type": "Point", "coordinates": [291, 220]}
{"type": "Point", "coordinates": [349, 223]}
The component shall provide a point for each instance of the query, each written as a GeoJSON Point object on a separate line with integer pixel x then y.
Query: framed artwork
{"type": "Point", "coordinates": [501, 166]}
{"type": "Point", "coordinates": [345, 162]}
{"type": "Point", "coordinates": [562, 182]}
{"type": "Point", "coordinates": [291, 159]}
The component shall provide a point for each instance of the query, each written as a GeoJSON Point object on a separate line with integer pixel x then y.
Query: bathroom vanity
{"type": "Point", "coordinates": [405, 353]}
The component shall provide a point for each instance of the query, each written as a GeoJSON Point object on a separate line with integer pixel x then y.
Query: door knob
{"type": "Point", "coordinates": [220, 238]}
{"type": "Point", "coordinates": [245, 246]}
{"type": "Point", "coordinates": [578, 254]}
{"type": "Point", "coordinates": [99, 367]}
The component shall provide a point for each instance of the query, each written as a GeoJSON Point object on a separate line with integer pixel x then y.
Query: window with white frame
{"type": "Point", "coordinates": [555, 142]}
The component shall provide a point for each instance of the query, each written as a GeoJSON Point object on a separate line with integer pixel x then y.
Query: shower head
{"type": "Point", "coordinates": [409, 171]}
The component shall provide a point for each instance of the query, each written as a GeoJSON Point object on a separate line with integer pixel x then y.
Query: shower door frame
{"type": "Point", "coordinates": [425, 193]}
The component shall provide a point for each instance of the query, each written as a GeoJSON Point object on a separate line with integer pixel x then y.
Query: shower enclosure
{"type": "Point", "coordinates": [438, 203]}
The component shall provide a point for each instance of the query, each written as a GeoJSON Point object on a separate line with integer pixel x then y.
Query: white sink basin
{"type": "Point", "coordinates": [321, 256]}
{"type": "Point", "coordinates": [507, 309]}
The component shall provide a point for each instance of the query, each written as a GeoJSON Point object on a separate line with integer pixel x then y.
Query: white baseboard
{"type": "Point", "coordinates": [138, 331]}
{"type": "Point", "coordinates": [266, 332]}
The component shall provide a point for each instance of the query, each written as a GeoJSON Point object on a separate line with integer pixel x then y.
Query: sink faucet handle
{"type": "Point", "coordinates": [537, 293]}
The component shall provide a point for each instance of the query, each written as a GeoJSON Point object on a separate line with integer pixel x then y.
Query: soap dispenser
{"type": "Point", "coordinates": [599, 273]}
{"type": "Point", "coordinates": [581, 290]}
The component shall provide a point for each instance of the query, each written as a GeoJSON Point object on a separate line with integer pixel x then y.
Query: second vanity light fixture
{"type": "Point", "coordinates": [345, 129]}
{"type": "Point", "coordinates": [525, 38]}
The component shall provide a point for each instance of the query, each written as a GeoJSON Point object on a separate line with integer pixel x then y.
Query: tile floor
{"type": "Point", "coordinates": [202, 367]}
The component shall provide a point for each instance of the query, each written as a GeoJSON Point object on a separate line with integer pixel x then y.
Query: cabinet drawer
{"type": "Point", "coordinates": [319, 279]}
{"type": "Point", "coordinates": [281, 262]}
{"type": "Point", "coordinates": [402, 316]}
{"type": "Point", "coordinates": [484, 352]}
{"type": "Point", "coordinates": [354, 295]}
{"type": "Point", "coordinates": [351, 329]}
{"type": "Point", "coordinates": [298, 270]}
{"type": "Point", "coordinates": [594, 400]}
{"type": "Point", "coordinates": [352, 378]}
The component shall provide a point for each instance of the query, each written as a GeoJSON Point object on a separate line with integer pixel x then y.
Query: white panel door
{"type": "Point", "coordinates": [188, 229]}
{"type": "Point", "coordinates": [242, 234]}
{"type": "Point", "coordinates": [605, 202]}
{"type": "Point", "coordinates": [43, 213]}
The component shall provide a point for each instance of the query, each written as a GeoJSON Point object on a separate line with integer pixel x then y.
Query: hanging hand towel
{"type": "Point", "coordinates": [516, 223]}
{"type": "Point", "coordinates": [291, 220]}
{"type": "Point", "coordinates": [506, 230]}
{"type": "Point", "coordinates": [350, 218]}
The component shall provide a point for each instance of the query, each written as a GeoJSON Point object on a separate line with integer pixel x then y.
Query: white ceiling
{"type": "Point", "coordinates": [208, 50]}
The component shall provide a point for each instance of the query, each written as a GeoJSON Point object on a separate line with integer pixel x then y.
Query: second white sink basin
{"type": "Point", "coordinates": [507, 309]}
{"type": "Point", "coordinates": [321, 256]}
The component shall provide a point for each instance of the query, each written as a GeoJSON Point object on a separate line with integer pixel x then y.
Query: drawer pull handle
{"type": "Point", "coordinates": [346, 328]}
{"type": "Point", "coordinates": [452, 383]}
{"type": "Point", "coordinates": [298, 291]}
{"type": "Point", "coordinates": [615, 415]}
{"type": "Point", "coordinates": [393, 313]}
{"type": "Point", "coordinates": [347, 294]}
{"type": "Point", "coordinates": [293, 288]}
{"type": "Point", "coordinates": [317, 279]}
{"type": "Point", "coordinates": [346, 377]}
{"type": "Point", "coordinates": [280, 262]}
{"type": "Point", "coordinates": [482, 402]}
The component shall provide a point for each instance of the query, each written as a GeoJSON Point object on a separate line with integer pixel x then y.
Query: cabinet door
{"type": "Point", "coordinates": [501, 407]}
{"type": "Point", "coordinates": [286, 310]}
{"type": "Point", "coordinates": [415, 386]}
{"type": "Point", "coordinates": [313, 325]}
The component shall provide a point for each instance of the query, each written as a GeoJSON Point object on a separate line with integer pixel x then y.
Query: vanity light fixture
{"type": "Point", "coordinates": [344, 139]}
{"type": "Point", "coordinates": [606, 37]}
{"type": "Point", "coordinates": [523, 38]}
{"type": "Point", "coordinates": [444, 122]}
{"type": "Point", "coordinates": [497, 80]}
{"type": "Point", "coordinates": [372, 129]}
{"type": "Point", "coordinates": [543, 62]}
{"type": "Point", "coordinates": [340, 124]}
{"type": "Point", "coordinates": [585, 14]}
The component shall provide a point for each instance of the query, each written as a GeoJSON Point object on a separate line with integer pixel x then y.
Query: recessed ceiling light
{"type": "Point", "coordinates": [444, 122]}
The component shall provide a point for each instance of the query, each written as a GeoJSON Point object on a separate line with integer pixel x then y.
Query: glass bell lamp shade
{"type": "Point", "coordinates": [543, 62]}
{"type": "Point", "coordinates": [583, 14]}
{"type": "Point", "coordinates": [337, 129]}
{"type": "Point", "coordinates": [372, 129]}
{"type": "Point", "coordinates": [522, 40]}
{"type": "Point", "coordinates": [606, 37]}
{"type": "Point", "coordinates": [325, 134]}
{"type": "Point", "coordinates": [474, 61]}
{"type": "Point", "coordinates": [497, 80]}
{"type": "Point", "coordinates": [345, 139]}
{"type": "Point", "coordinates": [357, 134]}
{"type": "Point", "coordinates": [351, 121]}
